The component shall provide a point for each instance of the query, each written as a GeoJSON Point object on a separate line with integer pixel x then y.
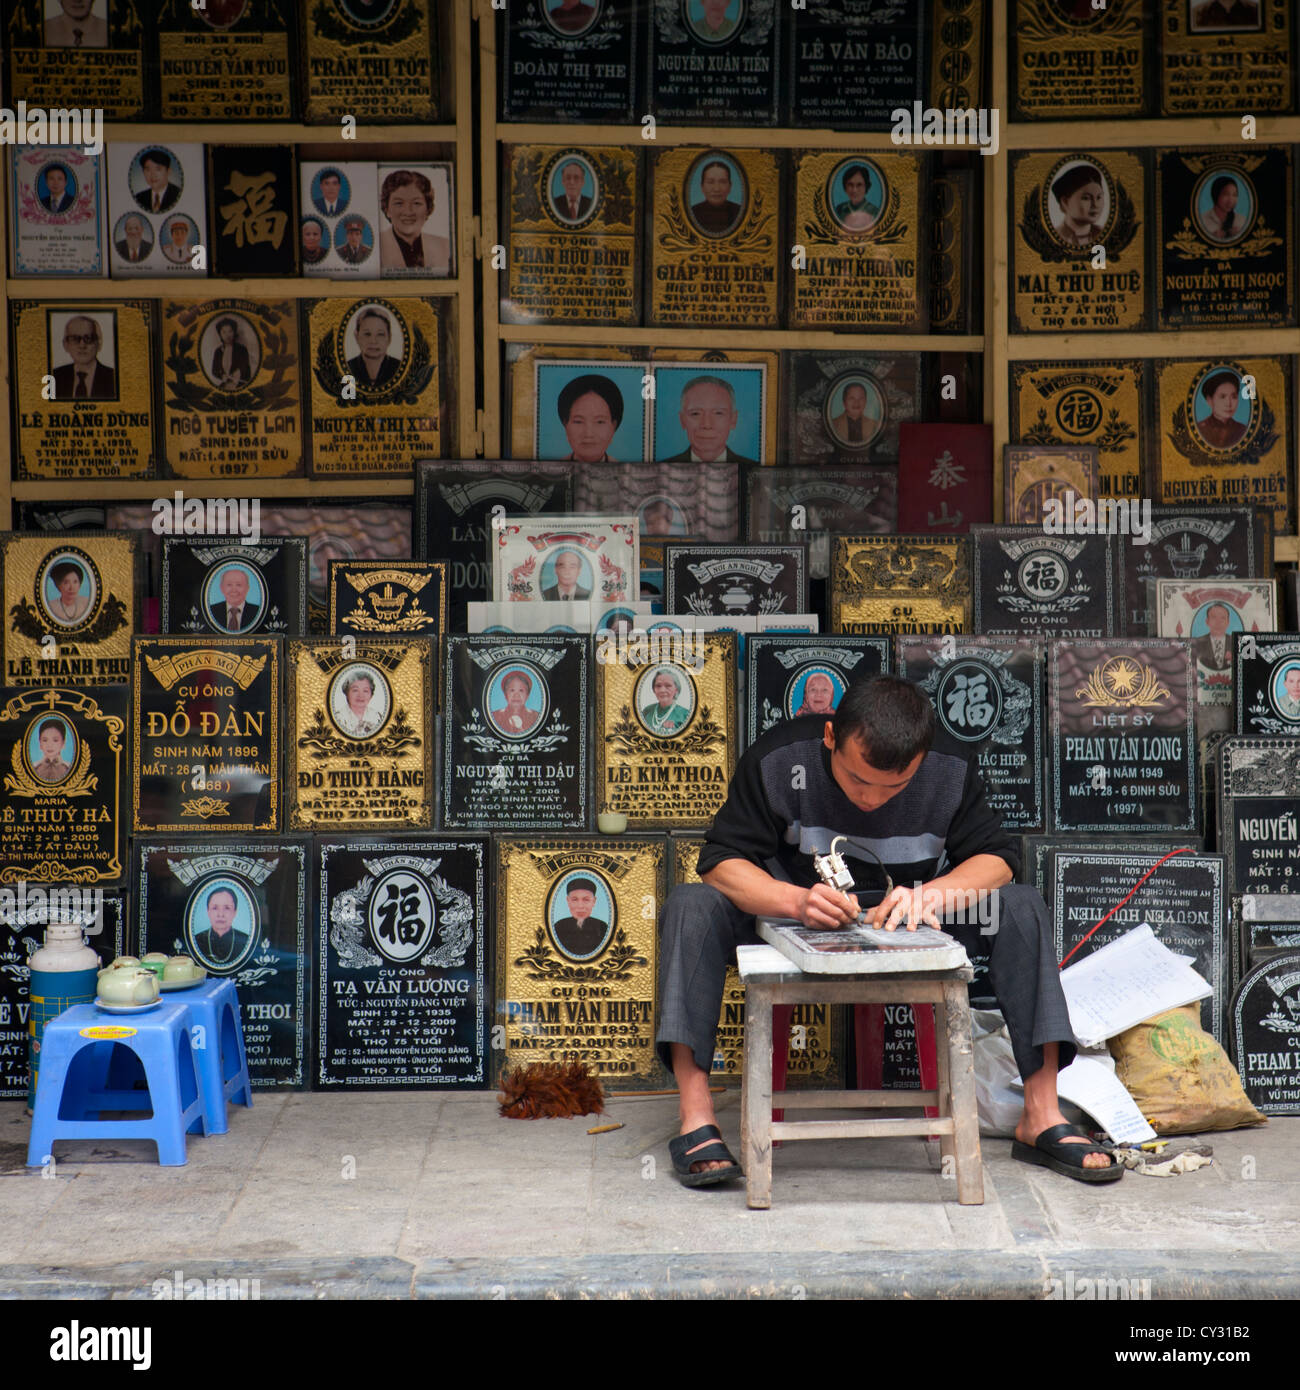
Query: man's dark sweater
{"type": "Point", "coordinates": [775, 815]}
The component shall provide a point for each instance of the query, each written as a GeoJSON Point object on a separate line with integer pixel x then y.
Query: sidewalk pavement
{"type": "Point", "coordinates": [436, 1196]}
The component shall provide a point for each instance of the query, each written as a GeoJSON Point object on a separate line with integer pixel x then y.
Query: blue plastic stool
{"type": "Point", "coordinates": [74, 1084]}
{"type": "Point", "coordinates": [219, 1049]}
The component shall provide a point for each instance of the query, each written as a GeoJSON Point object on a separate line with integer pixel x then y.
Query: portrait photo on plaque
{"type": "Point", "coordinates": [587, 411]}
{"type": "Point", "coordinates": [666, 727]}
{"type": "Point", "coordinates": [402, 962]}
{"type": "Point", "coordinates": [1263, 1016]}
{"type": "Point", "coordinates": [788, 676]}
{"type": "Point", "coordinates": [1078, 261]}
{"type": "Point", "coordinates": [570, 61]}
{"type": "Point", "coordinates": [232, 388]}
{"type": "Point", "coordinates": [1212, 614]}
{"type": "Point", "coordinates": [206, 728]}
{"type": "Point", "coordinates": [1035, 474]}
{"type": "Point", "coordinates": [359, 740]}
{"type": "Point", "coordinates": [401, 82]}
{"type": "Point", "coordinates": [241, 908]}
{"type": "Point", "coordinates": [1122, 715]}
{"type": "Point", "coordinates": [1212, 52]}
{"type": "Point", "coordinates": [706, 412]}
{"type": "Point", "coordinates": [157, 209]}
{"type": "Point", "coordinates": [580, 912]}
{"type": "Point", "coordinates": [569, 224]}
{"type": "Point", "coordinates": [579, 557]}
{"type": "Point", "coordinates": [228, 588]}
{"type": "Point", "coordinates": [715, 62]}
{"type": "Point", "coordinates": [388, 597]}
{"type": "Point", "coordinates": [848, 407]}
{"type": "Point", "coordinates": [1266, 683]}
{"type": "Point", "coordinates": [227, 60]}
{"type": "Point", "coordinates": [729, 580]}
{"type": "Point", "coordinates": [84, 402]}
{"type": "Point", "coordinates": [106, 40]}
{"type": "Point", "coordinates": [987, 694]}
{"type": "Point", "coordinates": [1225, 238]}
{"type": "Point", "coordinates": [1070, 60]}
{"type": "Point", "coordinates": [1028, 583]}
{"type": "Point", "coordinates": [516, 749]}
{"type": "Point", "coordinates": [713, 229]}
{"type": "Point", "coordinates": [1258, 788]}
{"type": "Point", "coordinates": [57, 205]}
{"type": "Point", "coordinates": [1223, 433]}
{"type": "Point", "coordinates": [252, 210]}
{"type": "Point", "coordinates": [71, 603]}
{"type": "Point", "coordinates": [63, 807]}
{"type": "Point", "coordinates": [945, 476]}
{"type": "Point", "coordinates": [904, 583]}
{"type": "Point", "coordinates": [379, 386]}
{"type": "Point", "coordinates": [863, 223]}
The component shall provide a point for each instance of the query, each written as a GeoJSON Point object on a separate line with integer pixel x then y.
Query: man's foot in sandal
{"type": "Point", "coordinates": [1066, 1149]}
{"type": "Point", "coordinates": [700, 1158]}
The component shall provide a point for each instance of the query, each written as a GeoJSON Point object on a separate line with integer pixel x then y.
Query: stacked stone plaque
{"type": "Point", "coordinates": [987, 694]}
{"type": "Point", "coordinates": [1027, 582]}
{"type": "Point", "coordinates": [1064, 206]}
{"type": "Point", "coordinates": [226, 62]}
{"type": "Point", "coordinates": [62, 810]}
{"type": "Point", "coordinates": [1184, 900]}
{"type": "Point", "coordinates": [1266, 1035]}
{"type": "Point", "coordinates": [205, 746]}
{"type": "Point", "coordinates": [1258, 830]}
{"type": "Point", "coordinates": [377, 383]}
{"type": "Point", "coordinates": [862, 223]}
{"type": "Point", "coordinates": [69, 607]}
{"type": "Point", "coordinates": [577, 959]}
{"type": "Point", "coordinates": [568, 61]}
{"type": "Point", "coordinates": [1034, 475]}
{"type": "Point", "coordinates": [665, 728]}
{"type": "Point", "coordinates": [375, 62]}
{"type": "Point", "coordinates": [239, 907]}
{"type": "Point", "coordinates": [1222, 433]}
{"type": "Point", "coordinates": [516, 748]}
{"type": "Point", "coordinates": [56, 52]}
{"type": "Point", "coordinates": [945, 477]}
{"type": "Point", "coordinates": [231, 588]}
{"type": "Point", "coordinates": [1101, 405]}
{"type": "Point", "coordinates": [671, 498]}
{"type": "Point", "coordinates": [730, 580]}
{"type": "Point", "coordinates": [232, 391]}
{"type": "Point", "coordinates": [359, 750]}
{"type": "Point", "coordinates": [388, 598]}
{"type": "Point", "coordinates": [24, 915]}
{"type": "Point", "coordinates": [1262, 925]}
{"type": "Point", "coordinates": [889, 584]}
{"type": "Point", "coordinates": [847, 407]}
{"type": "Point", "coordinates": [570, 234]}
{"type": "Point", "coordinates": [1123, 736]}
{"type": "Point", "coordinates": [1225, 240]}
{"type": "Point", "coordinates": [715, 253]}
{"type": "Point", "coordinates": [454, 505]}
{"type": "Point", "coordinates": [1186, 543]}
{"type": "Point", "coordinates": [1226, 57]}
{"type": "Point", "coordinates": [401, 967]}
{"type": "Point", "coordinates": [566, 558]}
{"type": "Point", "coordinates": [1076, 60]}
{"type": "Point", "coordinates": [96, 419]}
{"type": "Point", "coordinates": [1035, 850]}
{"type": "Point", "coordinates": [715, 64]}
{"type": "Point", "coordinates": [788, 676]}
{"type": "Point", "coordinates": [1213, 616]}
{"type": "Point", "coordinates": [1267, 683]}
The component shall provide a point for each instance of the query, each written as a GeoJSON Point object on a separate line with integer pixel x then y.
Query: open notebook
{"type": "Point", "coordinates": [861, 950]}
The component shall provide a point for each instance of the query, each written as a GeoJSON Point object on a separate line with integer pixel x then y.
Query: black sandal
{"type": "Point", "coordinates": [1047, 1151]}
{"type": "Point", "coordinates": [711, 1153]}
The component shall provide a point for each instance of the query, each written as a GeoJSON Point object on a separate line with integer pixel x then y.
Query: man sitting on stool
{"type": "Point", "coordinates": [870, 774]}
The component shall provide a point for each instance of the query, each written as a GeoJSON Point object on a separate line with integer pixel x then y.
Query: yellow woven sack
{"type": "Point", "coordinates": [1180, 1077]}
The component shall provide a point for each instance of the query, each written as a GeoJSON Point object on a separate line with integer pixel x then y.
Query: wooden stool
{"type": "Point", "coordinates": [772, 980]}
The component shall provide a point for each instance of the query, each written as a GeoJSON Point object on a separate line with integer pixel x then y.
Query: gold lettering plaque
{"type": "Point", "coordinates": [1223, 56]}
{"type": "Point", "coordinates": [226, 60]}
{"type": "Point", "coordinates": [376, 405]}
{"type": "Point", "coordinates": [1085, 403]}
{"type": "Point", "coordinates": [1072, 58]}
{"type": "Point", "coordinates": [571, 235]}
{"type": "Point", "coordinates": [859, 219]}
{"type": "Point", "coordinates": [900, 584]}
{"type": "Point", "coordinates": [61, 56]}
{"type": "Point", "coordinates": [70, 607]}
{"type": "Point", "coordinates": [373, 60]}
{"type": "Point", "coordinates": [715, 247]}
{"type": "Point", "coordinates": [84, 386]}
{"type": "Point", "coordinates": [1064, 206]}
{"type": "Point", "coordinates": [232, 397]}
{"type": "Point", "coordinates": [577, 959]}
{"type": "Point", "coordinates": [360, 745]}
{"type": "Point", "coordinates": [666, 727]}
{"type": "Point", "coordinates": [1214, 443]}
{"type": "Point", "coordinates": [1033, 474]}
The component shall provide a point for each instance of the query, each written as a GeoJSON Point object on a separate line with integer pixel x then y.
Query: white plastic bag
{"type": "Point", "coordinates": [1000, 1106]}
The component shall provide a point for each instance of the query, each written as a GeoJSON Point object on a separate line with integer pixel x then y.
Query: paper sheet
{"type": "Point", "coordinates": [1093, 1087]}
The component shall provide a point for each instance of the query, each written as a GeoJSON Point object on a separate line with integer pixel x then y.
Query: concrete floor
{"type": "Point", "coordinates": [435, 1195]}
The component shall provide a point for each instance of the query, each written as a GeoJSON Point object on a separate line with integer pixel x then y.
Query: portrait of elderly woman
{"type": "Point", "coordinates": [819, 696]}
{"type": "Point", "coordinates": [359, 714]}
{"type": "Point", "coordinates": [590, 408]}
{"type": "Point", "coordinates": [514, 717]}
{"type": "Point", "coordinates": [667, 714]}
{"type": "Point", "coordinates": [71, 605]}
{"type": "Point", "coordinates": [374, 366]}
{"type": "Point", "coordinates": [406, 200]}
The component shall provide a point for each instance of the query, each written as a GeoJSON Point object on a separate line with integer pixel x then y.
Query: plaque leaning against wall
{"type": "Point", "coordinates": [104, 43]}
{"type": "Point", "coordinates": [388, 598]}
{"type": "Point", "coordinates": [158, 209]}
{"type": "Point", "coordinates": [375, 61]}
{"type": "Point", "coordinates": [57, 200]}
{"type": "Point", "coordinates": [568, 61]}
{"type": "Point", "coordinates": [1225, 56]}
{"type": "Point", "coordinates": [1263, 1018]}
{"type": "Point", "coordinates": [1071, 59]}
{"type": "Point", "coordinates": [787, 676]}
{"type": "Point", "coordinates": [713, 64]}
{"type": "Point", "coordinates": [1266, 683]}
{"type": "Point", "coordinates": [1258, 828]}
{"type": "Point", "coordinates": [1026, 582]}
{"type": "Point", "coordinates": [890, 584]}
{"type": "Point", "coordinates": [231, 61]}
{"type": "Point", "coordinates": [231, 587]}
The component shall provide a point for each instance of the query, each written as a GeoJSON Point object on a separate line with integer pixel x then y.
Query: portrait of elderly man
{"type": "Point", "coordinates": [708, 18]}
{"type": "Point", "coordinates": [358, 720]}
{"type": "Point", "coordinates": [51, 737]}
{"type": "Point", "coordinates": [1214, 649]}
{"type": "Point", "coordinates": [136, 241]}
{"type": "Point", "coordinates": [1080, 193]}
{"type": "Point", "coordinates": [81, 25]}
{"type": "Point", "coordinates": [716, 213]}
{"type": "Point", "coordinates": [406, 200]}
{"type": "Point", "coordinates": [573, 204]}
{"type": "Point", "coordinates": [855, 424]}
{"type": "Point", "coordinates": [590, 408]}
{"type": "Point", "coordinates": [235, 613]}
{"type": "Point", "coordinates": [85, 377]}
{"type": "Point", "coordinates": [568, 571]}
{"type": "Point", "coordinates": [579, 934]}
{"type": "Point", "coordinates": [911, 804]}
{"type": "Point", "coordinates": [708, 414]}
{"type": "Point", "coordinates": [354, 249]}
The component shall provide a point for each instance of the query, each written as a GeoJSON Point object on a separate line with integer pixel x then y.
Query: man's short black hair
{"type": "Point", "coordinates": [154, 155]}
{"type": "Point", "coordinates": [893, 718]}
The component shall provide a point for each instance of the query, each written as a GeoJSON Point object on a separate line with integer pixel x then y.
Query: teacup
{"type": "Point", "coordinates": [127, 986]}
{"type": "Point", "coordinates": [180, 969]}
{"type": "Point", "coordinates": [156, 962]}
{"type": "Point", "coordinates": [121, 962]}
